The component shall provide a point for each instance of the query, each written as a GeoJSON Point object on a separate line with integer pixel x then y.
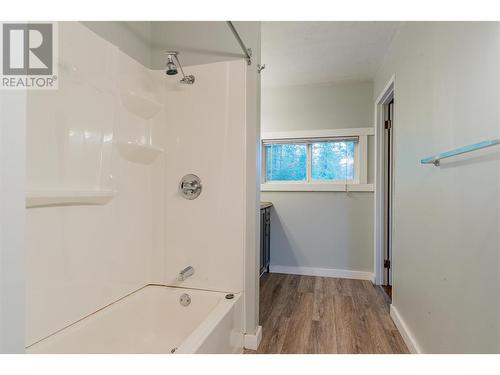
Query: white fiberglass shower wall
{"type": "Point", "coordinates": [104, 217]}
{"type": "Point", "coordinates": [205, 135]}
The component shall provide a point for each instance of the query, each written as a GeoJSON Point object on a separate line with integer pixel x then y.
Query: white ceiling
{"type": "Point", "coordinates": [314, 52]}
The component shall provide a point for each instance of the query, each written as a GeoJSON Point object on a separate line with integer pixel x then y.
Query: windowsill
{"type": "Point", "coordinates": [297, 186]}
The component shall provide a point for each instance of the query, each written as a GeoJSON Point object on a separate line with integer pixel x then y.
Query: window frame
{"type": "Point", "coordinates": [359, 183]}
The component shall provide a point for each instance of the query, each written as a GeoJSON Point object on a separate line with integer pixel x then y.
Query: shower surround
{"type": "Point", "coordinates": [105, 218]}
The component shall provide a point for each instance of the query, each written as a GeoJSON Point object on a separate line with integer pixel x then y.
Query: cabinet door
{"type": "Point", "coordinates": [262, 241]}
{"type": "Point", "coordinates": [267, 239]}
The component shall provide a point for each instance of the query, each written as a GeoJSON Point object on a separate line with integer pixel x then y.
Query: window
{"type": "Point", "coordinates": [327, 160]}
{"type": "Point", "coordinates": [331, 160]}
{"type": "Point", "coordinates": [286, 162]}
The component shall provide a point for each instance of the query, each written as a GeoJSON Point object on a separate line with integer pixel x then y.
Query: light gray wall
{"type": "Point", "coordinates": [133, 38]}
{"type": "Point", "coordinates": [321, 229]}
{"type": "Point", "coordinates": [447, 219]}
{"type": "Point", "coordinates": [320, 106]}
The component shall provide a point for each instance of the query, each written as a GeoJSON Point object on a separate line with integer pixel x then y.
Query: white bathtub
{"type": "Point", "coordinates": [152, 320]}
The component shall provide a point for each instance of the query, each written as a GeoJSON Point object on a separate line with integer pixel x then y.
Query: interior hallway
{"type": "Point", "coordinates": [307, 314]}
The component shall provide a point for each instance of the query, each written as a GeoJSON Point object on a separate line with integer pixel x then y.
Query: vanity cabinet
{"type": "Point", "coordinates": [265, 236]}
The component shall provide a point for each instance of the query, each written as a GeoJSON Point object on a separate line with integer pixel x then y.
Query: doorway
{"type": "Point", "coordinates": [384, 187]}
{"type": "Point", "coordinates": [387, 173]}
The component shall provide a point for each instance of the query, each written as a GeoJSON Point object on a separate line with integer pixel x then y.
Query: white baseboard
{"type": "Point", "coordinates": [405, 333]}
{"type": "Point", "coordinates": [325, 272]}
{"type": "Point", "coordinates": [252, 341]}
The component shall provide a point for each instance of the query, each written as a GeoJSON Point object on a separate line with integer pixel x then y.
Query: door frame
{"type": "Point", "coordinates": [383, 99]}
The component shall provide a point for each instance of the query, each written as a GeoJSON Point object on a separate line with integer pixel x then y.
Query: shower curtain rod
{"type": "Point", "coordinates": [246, 51]}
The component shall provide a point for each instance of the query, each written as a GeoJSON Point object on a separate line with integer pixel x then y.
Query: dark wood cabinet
{"type": "Point", "coordinates": [265, 238]}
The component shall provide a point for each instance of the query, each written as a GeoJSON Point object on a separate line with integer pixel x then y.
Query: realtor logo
{"type": "Point", "coordinates": [28, 56]}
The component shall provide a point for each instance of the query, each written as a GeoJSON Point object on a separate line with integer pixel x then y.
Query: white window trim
{"type": "Point", "coordinates": [361, 171]}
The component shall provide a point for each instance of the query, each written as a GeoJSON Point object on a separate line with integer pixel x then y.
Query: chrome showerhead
{"type": "Point", "coordinates": [173, 64]}
{"type": "Point", "coordinates": [171, 70]}
{"type": "Point", "coordinates": [171, 67]}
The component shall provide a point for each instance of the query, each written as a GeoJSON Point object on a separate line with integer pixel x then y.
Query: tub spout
{"type": "Point", "coordinates": [185, 273]}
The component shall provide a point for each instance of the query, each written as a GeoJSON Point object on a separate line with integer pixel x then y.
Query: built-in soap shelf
{"type": "Point", "coordinates": [139, 152]}
{"type": "Point", "coordinates": [40, 198]}
{"type": "Point", "coordinates": [140, 104]}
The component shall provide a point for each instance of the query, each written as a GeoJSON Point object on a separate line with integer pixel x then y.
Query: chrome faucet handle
{"type": "Point", "coordinates": [186, 185]}
{"type": "Point", "coordinates": [190, 186]}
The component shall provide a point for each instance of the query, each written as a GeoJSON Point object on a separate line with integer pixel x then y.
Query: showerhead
{"type": "Point", "coordinates": [171, 67]}
{"type": "Point", "coordinates": [172, 64]}
{"type": "Point", "coordinates": [171, 70]}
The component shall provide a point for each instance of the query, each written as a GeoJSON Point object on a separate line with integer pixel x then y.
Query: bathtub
{"type": "Point", "coordinates": [153, 320]}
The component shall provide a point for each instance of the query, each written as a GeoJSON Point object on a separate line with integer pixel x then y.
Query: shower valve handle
{"type": "Point", "coordinates": [190, 186]}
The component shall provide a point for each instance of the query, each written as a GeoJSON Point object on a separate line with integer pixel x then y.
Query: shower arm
{"type": "Point", "coordinates": [246, 51]}
{"type": "Point", "coordinates": [180, 66]}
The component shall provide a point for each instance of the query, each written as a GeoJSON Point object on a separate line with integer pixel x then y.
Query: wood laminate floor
{"type": "Point", "coordinates": [307, 314]}
{"type": "Point", "coordinates": [388, 290]}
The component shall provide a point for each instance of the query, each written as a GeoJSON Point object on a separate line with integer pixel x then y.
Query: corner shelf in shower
{"type": "Point", "coordinates": [140, 104]}
{"type": "Point", "coordinates": [41, 198]}
{"type": "Point", "coordinates": [139, 152]}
